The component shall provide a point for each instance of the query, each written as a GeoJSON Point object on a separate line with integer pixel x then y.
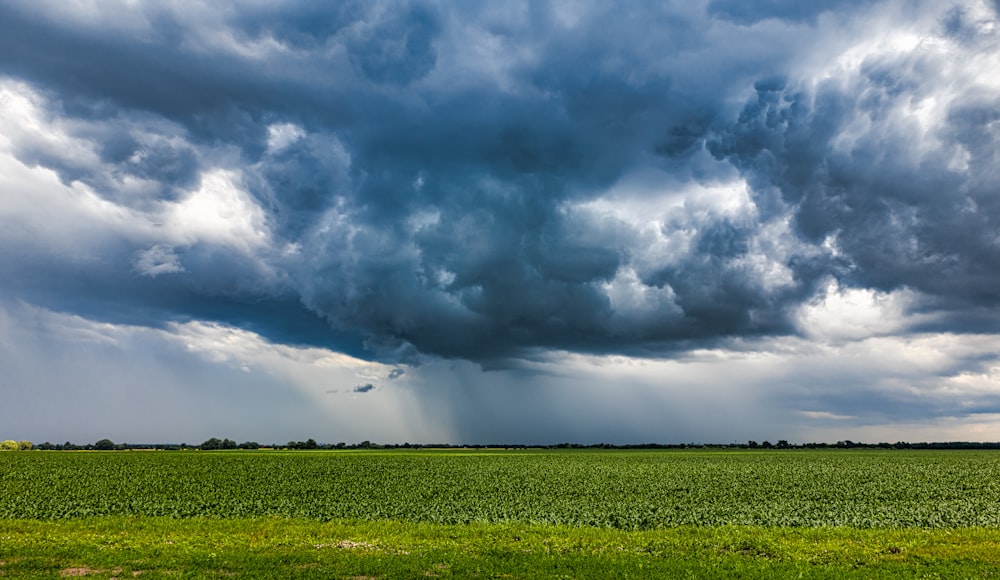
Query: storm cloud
{"type": "Point", "coordinates": [406, 182]}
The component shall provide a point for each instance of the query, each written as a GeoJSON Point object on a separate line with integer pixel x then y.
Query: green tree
{"type": "Point", "coordinates": [211, 444]}
{"type": "Point", "coordinates": [105, 445]}
{"type": "Point", "coordinates": [9, 445]}
{"type": "Point", "coordinates": [25, 445]}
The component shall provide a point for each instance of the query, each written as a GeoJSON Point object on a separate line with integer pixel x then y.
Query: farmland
{"type": "Point", "coordinates": [760, 512]}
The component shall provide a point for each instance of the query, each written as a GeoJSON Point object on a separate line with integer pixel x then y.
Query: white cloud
{"type": "Point", "coordinates": [67, 377]}
{"type": "Point", "coordinates": [977, 427]}
{"type": "Point", "coordinates": [36, 208]}
{"type": "Point", "coordinates": [854, 313]}
{"type": "Point", "coordinates": [898, 48]}
{"type": "Point", "coordinates": [218, 212]}
{"type": "Point", "coordinates": [39, 208]}
{"type": "Point", "coordinates": [27, 125]}
{"type": "Point", "coordinates": [825, 416]}
{"type": "Point", "coordinates": [633, 301]}
{"type": "Point", "coordinates": [194, 380]}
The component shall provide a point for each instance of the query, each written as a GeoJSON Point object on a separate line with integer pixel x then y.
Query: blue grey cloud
{"type": "Point", "coordinates": [443, 180]}
{"type": "Point", "coordinates": [789, 10]}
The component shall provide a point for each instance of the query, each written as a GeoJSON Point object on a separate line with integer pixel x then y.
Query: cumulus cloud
{"type": "Point", "coordinates": [878, 161]}
{"type": "Point", "coordinates": [407, 182]}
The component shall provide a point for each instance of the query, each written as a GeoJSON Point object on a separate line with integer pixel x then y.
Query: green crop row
{"type": "Point", "coordinates": [612, 489]}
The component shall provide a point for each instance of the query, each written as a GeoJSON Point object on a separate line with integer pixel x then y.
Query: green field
{"type": "Point", "coordinates": [520, 514]}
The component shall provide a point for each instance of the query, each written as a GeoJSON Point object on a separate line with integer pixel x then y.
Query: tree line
{"type": "Point", "coordinates": [214, 444]}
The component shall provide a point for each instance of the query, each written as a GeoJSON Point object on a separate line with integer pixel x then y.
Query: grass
{"type": "Point", "coordinates": [495, 515]}
{"type": "Point", "coordinates": [292, 548]}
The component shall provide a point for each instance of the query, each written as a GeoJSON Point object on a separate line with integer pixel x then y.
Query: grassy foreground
{"type": "Point", "coordinates": [151, 547]}
{"type": "Point", "coordinates": [501, 514]}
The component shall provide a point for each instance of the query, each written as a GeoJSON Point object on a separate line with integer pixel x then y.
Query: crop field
{"type": "Point", "coordinates": [521, 514]}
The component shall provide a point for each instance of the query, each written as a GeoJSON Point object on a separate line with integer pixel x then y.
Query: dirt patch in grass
{"type": "Point", "coordinates": [347, 545]}
{"type": "Point", "coordinates": [84, 571]}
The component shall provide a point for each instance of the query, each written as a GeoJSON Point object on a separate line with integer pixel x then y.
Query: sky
{"type": "Point", "coordinates": [702, 221]}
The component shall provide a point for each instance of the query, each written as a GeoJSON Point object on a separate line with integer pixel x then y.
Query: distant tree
{"type": "Point", "coordinates": [211, 444]}
{"type": "Point", "coordinates": [249, 445]}
{"type": "Point", "coordinates": [752, 443]}
{"type": "Point", "coordinates": [105, 445]}
{"type": "Point", "coordinates": [25, 445]}
{"type": "Point", "coordinates": [783, 444]}
{"type": "Point", "coordinates": [9, 445]}
{"type": "Point", "coordinates": [310, 444]}
{"type": "Point", "coordinates": [227, 444]}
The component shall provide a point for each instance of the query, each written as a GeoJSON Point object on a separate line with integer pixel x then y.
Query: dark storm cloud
{"type": "Point", "coordinates": [425, 171]}
{"type": "Point", "coordinates": [363, 388]}
{"type": "Point", "coordinates": [399, 48]}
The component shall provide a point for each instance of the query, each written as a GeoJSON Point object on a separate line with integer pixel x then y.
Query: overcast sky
{"type": "Point", "coordinates": [500, 222]}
